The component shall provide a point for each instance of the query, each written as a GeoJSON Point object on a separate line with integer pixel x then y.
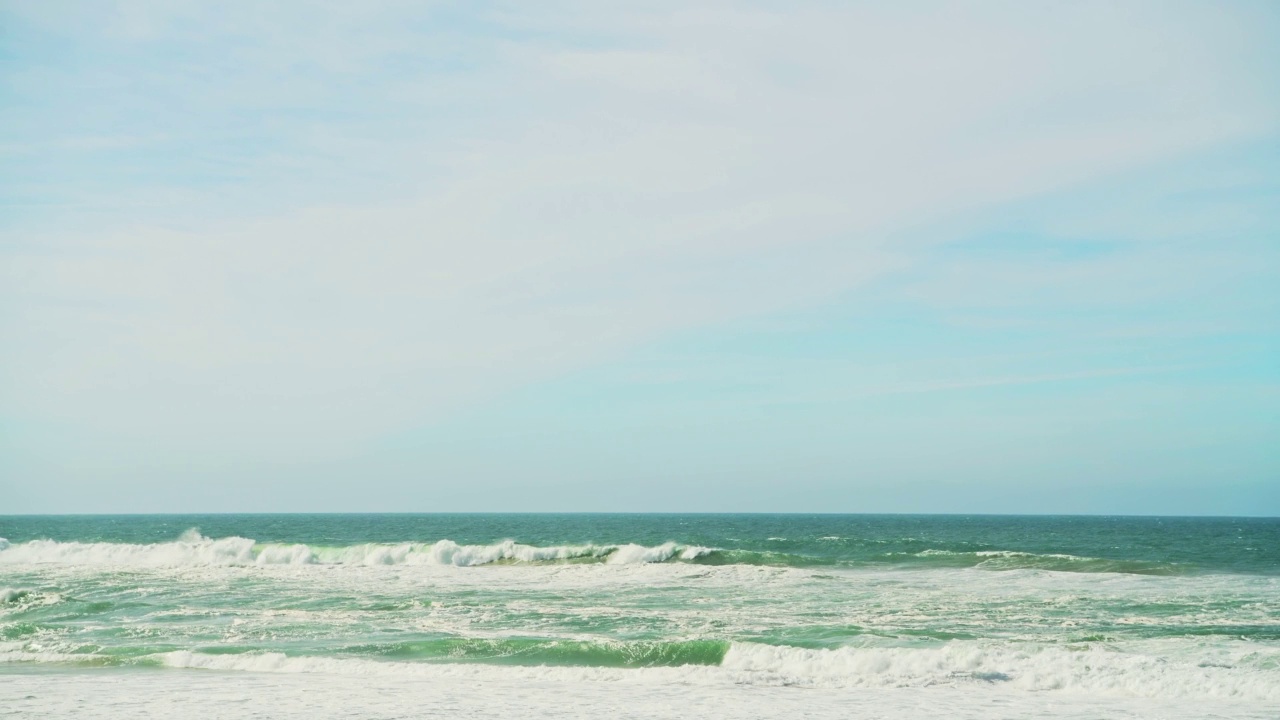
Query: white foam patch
{"type": "Point", "coordinates": [19, 656]}
{"type": "Point", "coordinates": [114, 694]}
{"type": "Point", "coordinates": [30, 652]}
{"type": "Point", "coordinates": [274, 662]}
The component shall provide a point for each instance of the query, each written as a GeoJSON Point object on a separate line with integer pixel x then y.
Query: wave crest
{"type": "Point", "coordinates": [191, 548]}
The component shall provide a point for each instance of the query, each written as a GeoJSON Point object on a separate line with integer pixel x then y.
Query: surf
{"type": "Point", "coordinates": [194, 549]}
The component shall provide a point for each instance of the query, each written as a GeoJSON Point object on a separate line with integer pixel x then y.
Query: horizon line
{"type": "Point", "coordinates": [643, 512]}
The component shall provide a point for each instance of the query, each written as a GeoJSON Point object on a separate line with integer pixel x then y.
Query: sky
{"type": "Point", "coordinates": [998, 257]}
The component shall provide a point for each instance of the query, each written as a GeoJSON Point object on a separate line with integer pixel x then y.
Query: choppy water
{"type": "Point", "coordinates": [1117, 607]}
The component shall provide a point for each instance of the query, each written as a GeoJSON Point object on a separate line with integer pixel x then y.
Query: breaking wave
{"type": "Point", "coordinates": [194, 549]}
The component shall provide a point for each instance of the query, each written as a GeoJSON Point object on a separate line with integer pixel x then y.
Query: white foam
{"type": "Point", "coordinates": [274, 662]}
{"type": "Point", "coordinates": [447, 552]}
{"type": "Point", "coordinates": [119, 695]}
{"type": "Point", "coordinates": [630, 554]}
{"type": "Point", "coordinates": [694, 551]}
{"type": "Point", "coordinates": [191, 548]}
{"type": "Point", "coordinates": [22, 656]}
{"type": "Point", "coordinates": [185, 551]}
{"type": "Point", "coordinates": [1094, 670]}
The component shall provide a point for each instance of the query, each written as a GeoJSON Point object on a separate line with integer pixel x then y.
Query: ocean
{"type": "Point", "coordinates": [591, 615]}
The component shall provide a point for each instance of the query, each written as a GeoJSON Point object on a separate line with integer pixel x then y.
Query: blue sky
{"type": "Point", "coordinates": [998, 257]}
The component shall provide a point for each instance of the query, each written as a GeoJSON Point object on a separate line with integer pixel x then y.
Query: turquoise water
{"type": "Point", "coordinates": [1145, 606]}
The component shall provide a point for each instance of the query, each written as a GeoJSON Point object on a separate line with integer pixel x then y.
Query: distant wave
{"type": "Point", "coordinates": [194, 549]}
{"type": "Point", "coordinates": [1014, 560]}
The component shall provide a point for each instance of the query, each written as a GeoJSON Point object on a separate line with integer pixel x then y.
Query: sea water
{"type": "Point", "coordinates": [639, 616]}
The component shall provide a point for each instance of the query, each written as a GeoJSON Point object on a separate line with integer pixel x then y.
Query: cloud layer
{"type": "Point", "coordinates": [279, 234]}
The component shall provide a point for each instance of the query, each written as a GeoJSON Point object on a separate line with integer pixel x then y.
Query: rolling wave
{"type": "Point", "coordinates": [558, 652]}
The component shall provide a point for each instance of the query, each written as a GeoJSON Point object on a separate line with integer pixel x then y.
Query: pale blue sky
{"type": "Point", "coordinates": [980, 257]}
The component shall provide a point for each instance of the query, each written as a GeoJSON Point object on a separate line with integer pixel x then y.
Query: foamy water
{"type": "Point", "coordinates": [883, 616]}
